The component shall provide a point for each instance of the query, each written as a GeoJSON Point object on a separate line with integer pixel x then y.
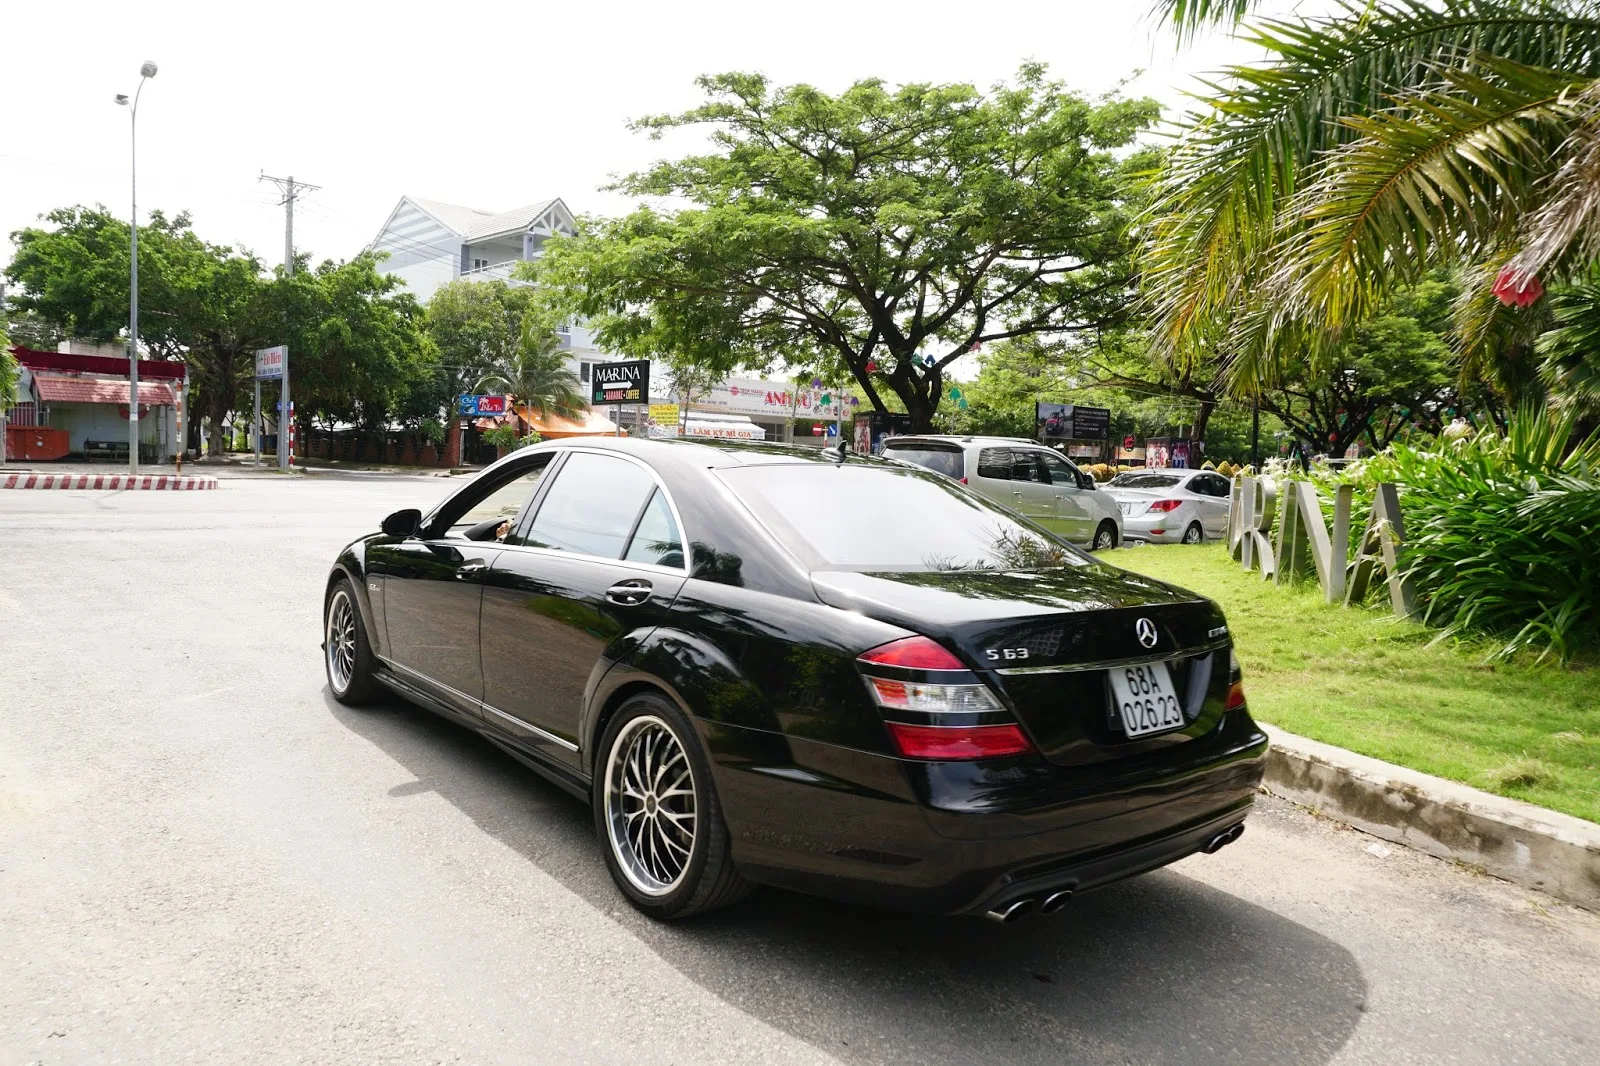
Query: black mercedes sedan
{"type": "Point", "coordinates": [825, 671]}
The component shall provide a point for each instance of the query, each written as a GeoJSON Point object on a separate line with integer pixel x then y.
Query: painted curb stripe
{"type": "Point", "coordinates": [114, 482]}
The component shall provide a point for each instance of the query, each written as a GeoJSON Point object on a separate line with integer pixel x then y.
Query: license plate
{"type": "Point", "coordinates": [1146, 699]}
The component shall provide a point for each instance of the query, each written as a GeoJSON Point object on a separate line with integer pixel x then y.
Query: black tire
{"type": "Point", "coordinates": [1194, 534]}
{"type": "Point", "coordinates": [1105, 537]}
{"type": "Point", "coordinates": [707, 879]}
{"type": "Point", "coordinates": [350, 678]}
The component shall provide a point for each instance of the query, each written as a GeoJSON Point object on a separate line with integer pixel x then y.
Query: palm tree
{"type": "Point", "coordinates": [1372, 145]}
{"type": "Point", "coordinates": [536, 374]}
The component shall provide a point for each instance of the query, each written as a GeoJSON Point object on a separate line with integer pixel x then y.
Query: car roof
{"type": "Point", "coordinates": [710, 451]}
{"type": "Point", "coordinates": [953, 438]}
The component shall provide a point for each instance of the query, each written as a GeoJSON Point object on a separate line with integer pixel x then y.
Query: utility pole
{"type": "Point", "coordinates": [291, 190]}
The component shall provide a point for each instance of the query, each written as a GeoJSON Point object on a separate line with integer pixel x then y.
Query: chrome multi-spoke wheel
{"type": "Point", "coordinates": [1194, 534]}
{"type": "Point", "coordinates": [1105, 538]}
{"type": "Point", "coordinates": [341, 641]}
{"type": "Point", "coordinates": [650, 805]}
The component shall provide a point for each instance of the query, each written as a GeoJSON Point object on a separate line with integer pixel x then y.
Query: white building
{"type": "Point", "coordinates": [430, 244]}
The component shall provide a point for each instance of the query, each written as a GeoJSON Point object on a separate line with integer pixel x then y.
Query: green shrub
{"type": "Point", "coordinates": [1500, 530]}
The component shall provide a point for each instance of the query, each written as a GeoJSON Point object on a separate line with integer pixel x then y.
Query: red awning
{"type": "Point", "coordinates": [97, 364]}
{"type": "Point", "coordinates": [57, 388]}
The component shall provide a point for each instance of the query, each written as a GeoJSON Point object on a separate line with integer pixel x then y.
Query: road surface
{"type": "Point", "coordinates": [203, 858]}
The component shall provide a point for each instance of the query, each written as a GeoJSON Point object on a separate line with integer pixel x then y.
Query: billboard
{"type": "Point", "coordinates": [1067, 421]}
{"type": "Point", "coordinates": [773, 399]}
{"type": "Point", "coordinates": [625, 382]}
{"type": "Point", "coordinates": [269, 362]}
{"type": "Point", "coordinates": [475, 404]}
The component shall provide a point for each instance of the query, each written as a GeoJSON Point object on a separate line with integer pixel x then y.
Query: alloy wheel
{"type": "Point", "coordinates": [1192, 535]}
{"type": "Point", "coordinates": [1104, 539]}
{"type": "Point", "coordinates": [650, 805]}
{"type": "Point", "coordinates": [341, 642]}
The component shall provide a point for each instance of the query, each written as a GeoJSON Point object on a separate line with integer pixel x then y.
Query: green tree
{"type": "Point", "coordinates": [8, 371]}
{"type": "Point", "coordinates": [1370, 146]}
{"type": "Point", "coordinates": [476, 326]}
{"type": "Point", "coordinates": [535, 374]}
{"type": "Point", "coordinates": [883, 231]}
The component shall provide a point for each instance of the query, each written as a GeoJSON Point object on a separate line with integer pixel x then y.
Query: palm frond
{"type": "Point", "coordinates": [1567, 223]}
{"type": "Point", "coordinates": [1188, 18]}
{"type": "Point", "coordinates": [1570, 350]}
{"type": "Point", "coordinates": [1441, 174]}
{"type": "Point", "coordinates": [1496, 340]}
{"type": "Point", "coordinates": [1239, 158]}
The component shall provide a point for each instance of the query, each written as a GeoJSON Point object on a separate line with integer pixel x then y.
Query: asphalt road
{"type": "Point", "coordinates": [203, 858]}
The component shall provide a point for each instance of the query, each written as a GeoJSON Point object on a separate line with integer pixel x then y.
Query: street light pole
{"type": "Point", "coordinates": [146, 72]}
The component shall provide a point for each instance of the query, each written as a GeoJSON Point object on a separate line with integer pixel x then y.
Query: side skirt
{"type": "Point", "coordinates": [556, 775]}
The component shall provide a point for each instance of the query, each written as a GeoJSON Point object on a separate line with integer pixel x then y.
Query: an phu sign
{"type": "Point", "coordinates": [1302, 542]}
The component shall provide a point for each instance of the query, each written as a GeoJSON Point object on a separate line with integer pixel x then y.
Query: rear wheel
{"type": "Point", "coordinates": [657, 814]}
{"type": "Point", "coordinates": [347, 654]}
{"type": "Point", "coordinates": [1194, 534]}
{"type": "Point", "coordinates": [1105, 537]}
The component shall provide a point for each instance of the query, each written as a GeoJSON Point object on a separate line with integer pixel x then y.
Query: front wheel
{"type": "Point", "coordinates": [1105, 537]}
{"type": "Point", "coordinates": [347, 654]}
{"type": "Point", "coordinates": [657, 814]}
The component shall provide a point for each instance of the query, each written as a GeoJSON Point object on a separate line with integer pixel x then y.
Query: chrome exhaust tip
{"type": "Point", "coordinates": [1013, 911]}
{"type": "Point", "coordinates": [1055, 901]}
{"type": "Point", "coordinates": [1223, 839]}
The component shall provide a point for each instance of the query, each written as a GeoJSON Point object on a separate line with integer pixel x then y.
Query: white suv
{"type": "Point", "coordinates": [1029, 478]}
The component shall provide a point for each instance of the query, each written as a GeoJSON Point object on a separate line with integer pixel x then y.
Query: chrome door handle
{"type": "Point", "coordinates": [469, 571]}
{"type": "Point", "coordinates": [629, 593]}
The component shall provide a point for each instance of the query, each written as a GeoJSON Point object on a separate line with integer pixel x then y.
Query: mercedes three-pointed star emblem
{"type": "Point", "coordinates": [1145, 630]}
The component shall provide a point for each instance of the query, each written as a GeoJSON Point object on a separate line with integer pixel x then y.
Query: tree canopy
{"type": "Point", "coordinates": [356, 347]}
{"type": "Point", "coordinates": [883, 232]}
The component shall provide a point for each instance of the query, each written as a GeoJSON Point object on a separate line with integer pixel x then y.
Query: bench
{"type": "Point", "coordinates": [110, 449]}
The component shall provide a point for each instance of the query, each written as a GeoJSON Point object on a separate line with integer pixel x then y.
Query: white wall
{"type": "Point", "coordinates": [424, 253]}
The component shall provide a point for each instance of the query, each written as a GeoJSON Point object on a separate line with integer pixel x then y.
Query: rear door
{"type": "Point", "coordinates": [1213, 492]}
{"type": "Point", "coordinates": [599, 560]}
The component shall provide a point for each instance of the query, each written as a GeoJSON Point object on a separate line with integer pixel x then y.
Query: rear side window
{"type": "Point", "coordinates": [995, 463]}
{"type": "Point", "coordinates": [657, 539]}
{"type": "Point", "coordinates": [592, 506]}
{"type": "Point", "coordinates": [919, 522]}
{"type": "Point", "coordinates": [947, 461]}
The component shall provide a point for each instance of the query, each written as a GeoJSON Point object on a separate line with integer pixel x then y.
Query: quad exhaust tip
{"type": "Point", "coordinates": [1223, 839]}
{"type": "Point", "coordinates": [1055, 901]}
{"type": "Point", "coordinates": [1013, 911]}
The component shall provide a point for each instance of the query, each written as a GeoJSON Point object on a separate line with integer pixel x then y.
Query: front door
{"type": "Point", "coordinates": [1075, 519]}
{"type": "Point", "coordinates": [596, 566]}
{"type": "Point", "coordinates": [433, 584]}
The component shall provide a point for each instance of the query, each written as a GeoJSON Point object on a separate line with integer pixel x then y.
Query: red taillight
{"type": "Point", "coordinates": [957, 742]}
{"type": "Point", "coordinates": [963, 481]}
{"type": "Point", "coordinates": [913, 653]}
{"type": "Point", "coordinates": [1236, 695]}
{"type": "Point", "coordinates": [1166, 505]}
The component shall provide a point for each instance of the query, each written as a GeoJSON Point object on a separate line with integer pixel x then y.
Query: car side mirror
{"type": "Point", "coordinates": [1085, 481]}
{"type": "Point", "coordinates": [402, 523]}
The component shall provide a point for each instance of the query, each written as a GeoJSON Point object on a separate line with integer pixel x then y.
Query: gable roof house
{"type": "Point", "coordinates": [430, 244]}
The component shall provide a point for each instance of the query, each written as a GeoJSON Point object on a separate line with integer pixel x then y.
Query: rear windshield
{"type": "Point", "coordinates": [946, 461]}
{"type": "Point", "coordinates": [855, 516]}
{"type": "Point", "coordinates": [1133, 480]}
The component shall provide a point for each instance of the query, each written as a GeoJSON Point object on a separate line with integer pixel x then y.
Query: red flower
{"type": "Point", "coordinates": [1509, 291]}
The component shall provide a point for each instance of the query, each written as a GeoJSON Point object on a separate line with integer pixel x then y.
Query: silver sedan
{"type": "Point", "coordinates": [1171, 506]}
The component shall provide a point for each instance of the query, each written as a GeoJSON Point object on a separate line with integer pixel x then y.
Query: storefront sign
{"type": "Point", "coordinates": [269, 362]}
{"type": "Point", "coordinates": [664, 414]}
{"type": "Point", "coordinates": [470, 404]}
{"type": "Point", "coordinates": [627, 382]}
{"type": "Point", "coordinates": [774, 399]}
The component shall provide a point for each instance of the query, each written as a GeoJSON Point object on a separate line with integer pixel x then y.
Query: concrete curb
{"type": "Point", "coordinates": [1524, 844]}
{"type": "Point", "coordinates": [105, 481]}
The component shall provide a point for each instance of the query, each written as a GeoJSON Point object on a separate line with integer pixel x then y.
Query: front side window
{"type": "Point", "coordinates": [1061, 472]}
{"type": "Point", "coordinates": [657, 539]}
{"type": "Point", "coordinates": [918, 522]}
{"type": "Point", "coordinates": [592, 506]}
{"type": "Point", "coordinates": [503, 503]}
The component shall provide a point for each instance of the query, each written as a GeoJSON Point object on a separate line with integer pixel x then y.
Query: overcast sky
{"type": "Point", "coordinates": [487, 104]}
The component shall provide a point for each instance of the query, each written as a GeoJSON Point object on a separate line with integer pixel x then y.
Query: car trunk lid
{"type": "Point", "coordinates": [1046, 640]}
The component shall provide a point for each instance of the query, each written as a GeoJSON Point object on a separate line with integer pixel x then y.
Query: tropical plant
{"type": "Point", "coordinates": [8, 372]}
{"type": "Point", "coordinates": [535, 374]}
{"type": "Point", "coordinates": [1373, 144]}
{"type": "Point", "coordinates": [1499, 530]}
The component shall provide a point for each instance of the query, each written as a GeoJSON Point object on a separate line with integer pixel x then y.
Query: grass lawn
{"type": "Point", "coordinates": [1362, 680]}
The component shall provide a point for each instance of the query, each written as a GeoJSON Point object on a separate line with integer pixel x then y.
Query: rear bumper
{"type": "Point", "coordinates": [963, 838]}
{"type": "Point", "coordinates": [1162, 529]}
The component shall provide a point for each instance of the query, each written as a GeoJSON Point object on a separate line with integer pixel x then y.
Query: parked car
{"type": "Point", "coordinates": [838, 674]}
{"type": "Point", "coordinates": [1170, 506]}
{"type": "Point", "coordinates": [1038, 483]}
